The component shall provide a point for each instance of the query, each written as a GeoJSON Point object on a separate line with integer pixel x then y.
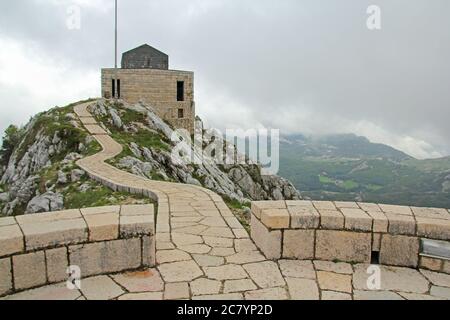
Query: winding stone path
{"type": "Point", "coordinates": [203, 252]}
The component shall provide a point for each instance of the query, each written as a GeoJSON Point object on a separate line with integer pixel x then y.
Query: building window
{"type": "Point", "coordinates": [116, 88]}
{"type": "Point", "coordinates": [180, 113]}
{"type": "Point", "coordinates": [113, 88]}
{"type": "Point", "coordinates": [180, 90]}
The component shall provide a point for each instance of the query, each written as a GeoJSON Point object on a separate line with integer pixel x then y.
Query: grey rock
{"type": "Point", "coordinates": [115, 118]}
{"type": "Point", "coordinates": [73, 156]}
{"type": "Point", "coordinates": [62, 177]}
{"type": "Point", "coordinates": [4, 197]}
{"type": "Point", "coordinates": [84, 187]}
{"type": "Point", "coordinates": [46, 202]}
{"type": "Point", "coordinates": [247, 212]}
{"type": "Point", "coordinates": [76, 175]}
{"type": "Point", "coordinates": [99, 108]}
{"type": "Point", "coordinates": [134, 148]}
{"type": "Point", "coordinates": [71, 117]}
{"type": "Point", "coordinates": [193, 181]}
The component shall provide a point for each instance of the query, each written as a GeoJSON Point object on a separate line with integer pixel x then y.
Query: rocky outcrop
{"type": "Point", "coordinates": [46, 202]}
{"type": "Point", "coordinates": [33, 156]}
{"type": "Point", "coordinates": [240, 182]}
{"type": "Point", "coordinates": [28, 185]}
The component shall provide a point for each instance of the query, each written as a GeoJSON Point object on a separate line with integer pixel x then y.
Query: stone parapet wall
{"type": "Point", "coordinates": [350, 232]}
{"type": "Point", "coordinates": [36, 250]}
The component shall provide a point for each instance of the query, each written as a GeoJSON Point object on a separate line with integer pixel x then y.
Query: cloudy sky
{"type": "Point", "coordinates": [309, 66]}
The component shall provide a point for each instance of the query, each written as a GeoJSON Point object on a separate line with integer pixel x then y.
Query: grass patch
{"type": "Point", "coordinates": [349, 185]}
{"type": "Point", "coordinates": [238, 210]}
{"type": "Point", "coordinates": [99, 196]}
{"type": "Point", "coordinates": [326, 180]}
{"type": "Point", "coordinates": [143, 138]}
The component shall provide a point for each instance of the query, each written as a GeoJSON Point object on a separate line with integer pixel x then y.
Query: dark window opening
{"type": "Point", "coordinates": [180, 90]}
{"type": "Point", "coordinates": [375, 259]}
{"type": "Point", "coordinates": [180, 113]}
{"type": "Point", "coordinates": [113, 88]}
{"type": "Point", "coordinates": [116, 88]}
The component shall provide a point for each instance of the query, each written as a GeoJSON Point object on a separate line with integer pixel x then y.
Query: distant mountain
{"type": "Point", "coordinates": [341, 146]}
{"type": "Point", "coordinates": [348, 167]}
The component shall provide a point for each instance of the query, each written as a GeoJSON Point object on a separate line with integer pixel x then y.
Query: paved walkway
{"type": "Point", "coordinates": [203, 252]}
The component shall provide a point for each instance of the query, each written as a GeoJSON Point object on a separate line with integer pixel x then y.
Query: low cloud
{"type": "Point", "coordinates": [301, 66]}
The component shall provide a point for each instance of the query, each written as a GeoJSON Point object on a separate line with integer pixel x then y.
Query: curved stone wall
{"type": "Point", "coordinates": [351, 232]}
{"type": "Point", "coordinates": [37, 249]}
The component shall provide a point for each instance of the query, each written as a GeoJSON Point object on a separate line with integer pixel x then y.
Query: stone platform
{"type": "Point", "coordinates": [263, 280]}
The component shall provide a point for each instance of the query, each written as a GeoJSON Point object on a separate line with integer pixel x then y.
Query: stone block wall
{"type": "Point", "coordinates": [158, 88]}
{"type": "Point", "coordinates": [36, 250]}
{"type": "Point", "coordinates": [349, 231]}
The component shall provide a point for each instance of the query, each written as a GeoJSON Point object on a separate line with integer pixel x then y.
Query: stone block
{"type": "Point", "coordinates": [132, 226]}
{"type": "Point", "coordinates": [53, 229]}
{"type": "Point", "coordinates": [331, 220]}
{"type": "Point", "coordinates": [269, 242]}
{"type": "Point", "coordinates": [57, 263]}
{"type": "Point", "coordinates": [29, 270]}
{"type": "Point", "coordinates": [346, 205]}
{"type": "Point", "coordinates": [148, 251]}
{"type": "Point", "coordinates": [100, 210]}
{"type": "Point", "coordinates": [401, 224]}
{"type": "Point", "coordinates": [106, 257]}
{"type": "Point", "coordinates": [343, 245]}
{"type": "Point", "coordinates": [376, 242]}
{"type": "Point", "coordinates": [275, 218]}
{"type": "Point", "coordinates": [298, 244]}
{"type": "Point", "coordinates": [304, 217]}
{"type": "Point", "coordinates": [324, 205]}
{"type": "Point", "coordinates": [356, 220]}
{"type": "Point", "coordinates": [334, 281]}
{"type": "Point", "coordinates": [430, 263]}
{"type": "Point", "coordinates": [393, 209]}
{"type": "Point", "coordinates": [7, 221]}
{"type": "Point", "coordinates": [373, 207]}
{"type": "Point", "coordinates": [11, 240]}
{"type": "Point", "coordinates": [259, 206]}
{"type": "Point", "coordinates": [433, 228]}
{"type": "Point", "coordinates": [431, 213]}
{"type": "Point", "coordinates": [5, 276]}
{"type": "Point", "coordinates": [102, 227]}
{"type": "Point", "coordinates": [137, 210]}
{"type": "Point", "coordinates": [380, 221]}
{"type": "Point", "coordinates": [446, 266]}
{"type": "Point", "coordinates": [399, 250]}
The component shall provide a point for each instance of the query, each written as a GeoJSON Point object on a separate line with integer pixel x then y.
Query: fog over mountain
{"type": "Point", "coordinates": [309, 67]}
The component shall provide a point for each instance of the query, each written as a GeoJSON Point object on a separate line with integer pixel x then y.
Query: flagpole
{"type": "Point", "coordinates": [115, 51]}
{"type": "Point", "coordinates": [115, 38]}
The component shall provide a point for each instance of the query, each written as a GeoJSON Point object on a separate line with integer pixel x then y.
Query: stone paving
{"type": "Point", "coordinates": [203, 252]}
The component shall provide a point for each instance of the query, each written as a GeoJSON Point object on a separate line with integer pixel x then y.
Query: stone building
{"type": "Point", "coordinates": [145, 76]}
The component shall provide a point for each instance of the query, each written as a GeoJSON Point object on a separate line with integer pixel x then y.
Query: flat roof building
{"type": "Point", "coordinates": [145, 76]}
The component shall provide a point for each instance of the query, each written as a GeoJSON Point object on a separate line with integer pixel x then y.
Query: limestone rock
{"type": "Point", "coordinates": [76, 175]}
{"type": "Point", "coordinates": [62, 177]}
{"type": "Point", "coordinates": [46, 202]}
{"type": "Point", "coordinates": [115, 118]}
